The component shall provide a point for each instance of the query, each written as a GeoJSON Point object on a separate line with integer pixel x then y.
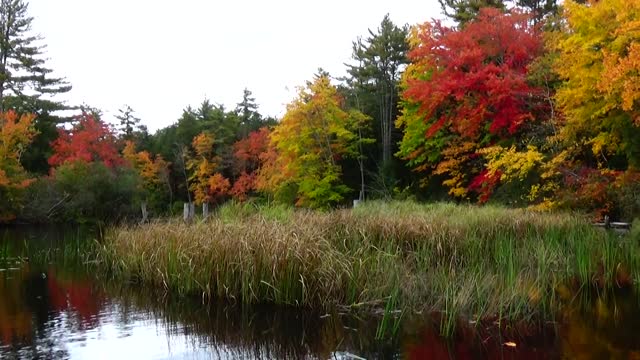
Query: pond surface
{"type": "Point", "coordinates": [60, 310]}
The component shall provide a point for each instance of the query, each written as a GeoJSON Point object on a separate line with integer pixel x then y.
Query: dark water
{"type": "Point", "coordinates": [52, 308]}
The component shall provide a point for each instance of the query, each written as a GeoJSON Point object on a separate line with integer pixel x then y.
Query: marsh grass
{"type": "Point", "coordinates": [461, 261]}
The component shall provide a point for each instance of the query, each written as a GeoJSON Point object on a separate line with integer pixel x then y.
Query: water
{"type": "Point", "coordinates": [59, 310]}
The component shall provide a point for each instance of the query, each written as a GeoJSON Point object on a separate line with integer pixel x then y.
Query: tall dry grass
{"type": "Point", "coordinates": [466, 261]}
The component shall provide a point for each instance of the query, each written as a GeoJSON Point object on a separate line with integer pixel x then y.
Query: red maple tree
{"type": "Point", "coordinates": [89, 140]}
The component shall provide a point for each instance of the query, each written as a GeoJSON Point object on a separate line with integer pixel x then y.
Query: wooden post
{"type": "Point", "coordinates": [192, 211]}
{"type": "Point", "coordinates": [145, 214]}
{"type": "Point", "coordinates": [205, 210]}
{"type": "Point", "coordinates": [185, 212]}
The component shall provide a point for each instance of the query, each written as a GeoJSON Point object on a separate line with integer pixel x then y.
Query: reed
{"type": "Point", "coordinates": [474, 262]}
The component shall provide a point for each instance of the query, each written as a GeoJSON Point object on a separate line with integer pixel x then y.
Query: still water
{"type": "Point", "coordinates": [59, 310]}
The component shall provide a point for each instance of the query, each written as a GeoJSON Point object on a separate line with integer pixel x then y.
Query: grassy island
{"type": "Point", "coordinates": [469, 261]}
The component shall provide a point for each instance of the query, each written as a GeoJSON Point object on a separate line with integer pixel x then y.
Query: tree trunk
{"type": "Point", "coordinates": [145, 214]}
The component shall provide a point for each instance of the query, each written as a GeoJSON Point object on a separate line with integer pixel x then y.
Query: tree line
{"type": "Point", "coordinates": [524, 103]}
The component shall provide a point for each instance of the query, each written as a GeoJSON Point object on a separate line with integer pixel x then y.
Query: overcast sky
{"type": "Point", "coordinates": [159, 56]}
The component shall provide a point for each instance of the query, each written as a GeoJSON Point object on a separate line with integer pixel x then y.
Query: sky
{"type": "Point", "coordinates": [159, 56]}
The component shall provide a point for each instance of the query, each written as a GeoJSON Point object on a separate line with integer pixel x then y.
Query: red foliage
{"type": "Point", "coordinates": [484, 184]}
{"type": "Point", "coordinates": [601, 191]}
{"type": "Point", "coordinates": [89, 140]}
{"type": "Point", "coordinates": [248, 154]}
{"type": "Point", "coordinates": [479, 78]}
{"type": "Point", "coordinates": [243, 185]}
{"type": "Point", "coordinates": [247, 151]}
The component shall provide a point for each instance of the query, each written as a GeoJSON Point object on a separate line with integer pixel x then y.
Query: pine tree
{"type": "Point", "coordinates": [26, 84]}
{"type": "Point", "coordinates": [380, 59]}
{"type": "Point", "coordinates": [23, 73]}
{"type": "Point", "coordinates": [129, 123]}
{"type": "Point", "coordinates": [463, 11]}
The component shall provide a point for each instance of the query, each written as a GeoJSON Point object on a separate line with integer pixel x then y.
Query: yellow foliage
{"type": "Point", "coordinates": [511, 163]}
{"type": "Point", "coordinates": [599, 61]}
{"type": "Point", "coordinates": [16, 134]}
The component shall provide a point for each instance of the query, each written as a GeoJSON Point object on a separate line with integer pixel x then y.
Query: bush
{"type": "Point", "coordinates": [83, 192]}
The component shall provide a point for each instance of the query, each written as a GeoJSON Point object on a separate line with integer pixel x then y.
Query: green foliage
{"type": "Point", "coordinates": [464, 11]}
{"type": "Point", "coordinates": [92, 192]}
{"type": "Point", "coordinates": [372, 84]}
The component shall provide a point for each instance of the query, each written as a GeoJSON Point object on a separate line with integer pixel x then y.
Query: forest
{"type": "Point", "coordinates": [526, 103]}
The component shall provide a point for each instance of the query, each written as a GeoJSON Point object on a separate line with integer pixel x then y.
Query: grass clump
{"type": "Point", "coordinates": [475, 262]}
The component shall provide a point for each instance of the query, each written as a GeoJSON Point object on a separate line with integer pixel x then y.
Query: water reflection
{"type": "Point", "coordinates": [56, 310]}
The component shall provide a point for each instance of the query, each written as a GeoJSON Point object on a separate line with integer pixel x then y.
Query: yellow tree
{"type": "Point", "coordinates": [314, 134]}
{"type": "Point", "coordinates": [16, 133]}
{"type": "Point", "coordinates": [599, 61]}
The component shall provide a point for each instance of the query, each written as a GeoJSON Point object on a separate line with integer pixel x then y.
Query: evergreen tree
{"type": "Point", "coordinates": [248, 115]}
{"type": "Point", "coordinates": [373, 81]}
{"type": "Point", "coordinates": [129, 123]}
{"type": "Point", "coordinates": [463, 11]}
{"type": "Point", "coordinates": [26, 84]}
{"type": "Point", "coordinates": [539, 9]}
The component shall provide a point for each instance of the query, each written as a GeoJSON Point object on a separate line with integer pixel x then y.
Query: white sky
{"type": "Point", "coordinates": [160, 56]}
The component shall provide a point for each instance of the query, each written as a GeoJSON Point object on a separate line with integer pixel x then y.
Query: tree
{"type": "Point", "coordinates": [129, 123]}
{"type": "Point", "coordinates": [249, 117]}
{"type": "Point", "coordinates": [465, 90]}
{"type": "Point", "coordinates": [153, 173]}
{"type": "Point", "coordinates": [598, 62]}
{"type": "Point", "coordinates": [600, 93]}
{"type": "Point", "coordinates": [16, 133]}
{"type": "Point", "coordinates": [380, 59]}
{"type": "Point", "coordinates": [207, 185]}
{"type": "Point", "coordinates": [22, 68]}
{"type": "Point", "coordinates": [314, 134]}
{"type": "Point", "coordinates": [539, 9]}
{"type": "Point", "coordinates": [247, 154]}
{"type": "Point", "coordinates": [26, 84]}
{"type": "Point", "coordinates": [464, 11]}
{"type": "Point", "coordinates": [89, 140]}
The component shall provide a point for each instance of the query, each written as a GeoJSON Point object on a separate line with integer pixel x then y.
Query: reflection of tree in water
{"type": "Point", "coordinates": [38, 311]}
{"type": "Point", "coordinates": [261, 331]}
{"type": "Point", "coordinates": [606, 327]}
{"type": "Point", "coordinates": [590, 326]}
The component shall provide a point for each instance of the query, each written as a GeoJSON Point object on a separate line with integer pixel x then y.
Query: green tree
{"type": "Point", "coordinates": [464, 11]}
{"type": "Point", "coordinates": [129, 123]}
{"type": "Point", "coordinates": [26, 84]}
{"type": "Point", "coordinates": [539, 9]}
{"type": "Point", "coordinates": [373, 81]}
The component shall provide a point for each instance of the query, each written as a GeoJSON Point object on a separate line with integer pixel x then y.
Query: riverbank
{"type": "Point", "coordinates": [469, 261]}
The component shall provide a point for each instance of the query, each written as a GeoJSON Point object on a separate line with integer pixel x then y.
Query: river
{"type": "Point", "coordinates": [53, 307]}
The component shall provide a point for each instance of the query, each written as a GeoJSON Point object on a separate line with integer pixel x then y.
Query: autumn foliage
{"type": "Point", "coordinates": [313, 136]}
{"type": "Point", "coordinates": [207, 185]}
{"type": "Point", "coordinates": [16, 133]}
{"type": "Point", "coordinates": [532, 109]}
{"type": "Point", "coordinates": [247, 160]}
{"type": "Point", "coordinates": [467, 89]}
{"type": "Point", "coordinates": [89, 140]}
